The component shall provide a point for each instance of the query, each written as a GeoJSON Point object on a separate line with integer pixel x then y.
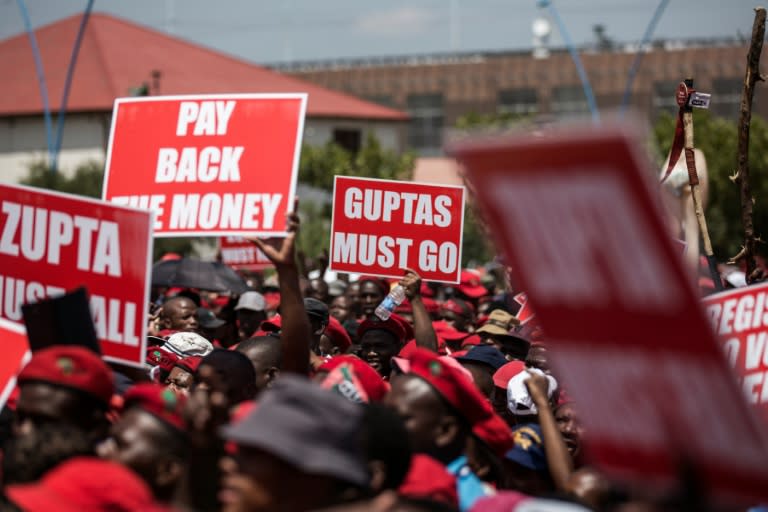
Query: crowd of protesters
{"type": "Point", "coordinates": [295, 396]}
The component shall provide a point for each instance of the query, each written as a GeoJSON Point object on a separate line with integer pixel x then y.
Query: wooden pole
{"type": "Point", "coordinates": [741, 178]}
{"type": "Point", "coordinates": [693, 178]}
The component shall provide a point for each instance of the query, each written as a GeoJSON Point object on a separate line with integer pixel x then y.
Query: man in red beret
{"type": "Point", "coordinates": [150, 438]}
{"type": "Point", "coordinates": [441, 408]}
{"type": "Point", "coordinates": [381, 341]}
{"type": "Point", "coordinates": [64, 395]}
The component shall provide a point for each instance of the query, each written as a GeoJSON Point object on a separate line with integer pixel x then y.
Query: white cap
{"type": "Point", "coordinates": [253, 301]}
{"type": "Point", "coordinates": [188, 344]}
{"type": "Point", "coordinates": [519, 402]}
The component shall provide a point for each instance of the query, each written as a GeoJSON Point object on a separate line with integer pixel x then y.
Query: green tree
{"type": "Point", "coordinates": [718, 139]}
{"type": "Point", "coordinates": [319, 164]}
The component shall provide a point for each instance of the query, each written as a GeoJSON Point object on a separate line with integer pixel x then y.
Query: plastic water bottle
{"type": "Point", "coordinates": [389, 304]}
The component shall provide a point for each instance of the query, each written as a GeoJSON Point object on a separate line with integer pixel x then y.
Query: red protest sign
{"type": "Point", "coordinates": [51, 243]}
{"type": "Point", "coordinates": [740, 318]}
{"type": "Point", "coordinates": [381, 227]}
{"type": "Point", "coordinates": [239, 253]}
{"type": "Point", "coordinates": [580, 225]}
{"type": "Point", "coordinates": [15, 353]}
{"type": "Point", "coordinates": [207, 165]}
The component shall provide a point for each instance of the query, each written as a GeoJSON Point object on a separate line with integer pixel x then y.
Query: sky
{"type": "Point", "coordinates": [285, 31]}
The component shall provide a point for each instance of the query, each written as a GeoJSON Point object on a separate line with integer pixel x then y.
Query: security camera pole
{"type": "Point", "coordinates": [687, 98]}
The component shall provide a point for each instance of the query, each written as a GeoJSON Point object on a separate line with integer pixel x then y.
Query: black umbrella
{"type": "Point", "coordinates": [204, 275]}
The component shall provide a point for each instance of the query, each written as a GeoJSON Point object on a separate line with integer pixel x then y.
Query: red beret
{"type": "Point", "coordinates": [505, 373]}
{"type": "Point", "coordinates": [161, 357]}
{"type": "Point", "coordinates": [495, 432]}
{"type": "Point", "coordinates": [189, 363]}
{"type": "Point", "coordinates": [370, 379]}
{"type": "Point", "coordinates": [459, 391]}
{"type": "Point", "coordinates": [338, 335]}
{"type": "Point", "coordinates": [159, 401]}
{"type": "Point", "coordinates": [73, 367]}
{"type": "Point", "coordinates": [380, 283]}
{"type": "Point", "coordinates": [85, 483]}
{"type": "Point", "coordinates": [430, 480]}
{"type": "Point", "coordinates": [394, 325]}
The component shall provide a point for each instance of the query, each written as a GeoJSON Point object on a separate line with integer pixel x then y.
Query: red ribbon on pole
{"type": "Point", "coordinates": [682, 95]}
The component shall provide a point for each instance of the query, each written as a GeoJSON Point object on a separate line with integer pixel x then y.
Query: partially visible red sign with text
{"type": "Point", "coordinates": [582, 229]}
{"type": "Point", "coordinates": [209, 165]}
{"type": "Point", "coordinates": [381, 227]}
{"type": "Point", "coordinates": [51, 243]}
{"type": "Point", "coordinates": [239, 253]}
{"type": "Point", "coordinates": [740, 318]}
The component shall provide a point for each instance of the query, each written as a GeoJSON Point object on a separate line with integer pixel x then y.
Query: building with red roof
{"type": "Point", "coordinates": [118, 58]}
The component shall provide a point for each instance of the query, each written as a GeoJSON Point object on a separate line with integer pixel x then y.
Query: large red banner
{"type": "Point", "coordinates": [381, 227]}
{"type": "Point", "coordinates": [207, 165]}
{"type": "Point", "coordinates": [52, 243]}
{"type": "Point", "coordinates": [581, 227]}
{"type": "Point", "coordinates": [239, 253]}
{"type": "Point", "coordinates": [740, 318]}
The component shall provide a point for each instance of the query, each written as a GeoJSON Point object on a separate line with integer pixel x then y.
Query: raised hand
{"type": "Point", "coordinates": [282, 251]}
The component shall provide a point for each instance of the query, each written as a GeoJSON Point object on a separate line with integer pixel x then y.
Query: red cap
{"type": "Point", "coordinates": [159, 401]}
{"type": "Point", "coordinates": [464, 309]}
{"type": "Point", "coordinates": [338, 335]}
{"type": "Point", "coordinates": [430, 480]}
{"type": "Point", "coordinates": [394, 324]}
{"type": "Point", "coordinates": [375, 387]}
{"type": "Point", "coordinates": [470, 285]}
{"type": "Point", "coordinates": [505, 373]}
{"type": "Point", "coordinates": [471, 341]}
{"type": "Point", "coordinates": [165, 359]}
{"type": "Point", "coordinates": [85, 484]}
{"type": "Point", "coordinates": [274, 324]}
{"type": "Point", "coordinates": [495, 432]}
{"type": "Point", "coordinates": [70, 366]}
{"type": "Point", "coordinates": [447, 332]}
{"type": "Point", "coordinates": [272, 299]}
{"type": "Point", "coordinates": [189, 363]}
{"type": "Point", "coordinates": [459, 391]}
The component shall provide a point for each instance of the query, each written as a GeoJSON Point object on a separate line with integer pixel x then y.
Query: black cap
{"type": "Point", "coordinates": [484, 354]}
{"type": "Point", "coordinates": [317, 309]}
{"type": "Point", "coordinates": [208, 319]}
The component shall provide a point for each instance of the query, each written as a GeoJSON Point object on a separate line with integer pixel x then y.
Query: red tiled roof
{"type": "Point", "coordinates": [117, 55]}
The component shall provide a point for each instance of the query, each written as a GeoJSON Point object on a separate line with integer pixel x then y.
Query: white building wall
{"type": "Point", "coordinates": [23, 140]}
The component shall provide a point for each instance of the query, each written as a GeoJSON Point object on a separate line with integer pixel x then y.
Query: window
{"type": "Point", "coordinates": [348, 139]}
{"type": "Point", "coordinates": [569, 101]}
{"type": "Point", "coordinates": [425, 131]}
{"type": "Point", "coordinates": [665, 97]}
{"type": "Point", "coordinates": [386, 101]}
{"type": "Point", "coordinates": [518, 101]}
{"type": "Point", "coordinates": [726, 97]}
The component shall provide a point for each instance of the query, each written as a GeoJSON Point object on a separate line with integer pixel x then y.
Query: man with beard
{"type": "Point", "coordinates": [60, 413]}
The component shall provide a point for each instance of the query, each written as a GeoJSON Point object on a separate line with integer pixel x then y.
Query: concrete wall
{"type": "Point", "coordinates": [23, 140]}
